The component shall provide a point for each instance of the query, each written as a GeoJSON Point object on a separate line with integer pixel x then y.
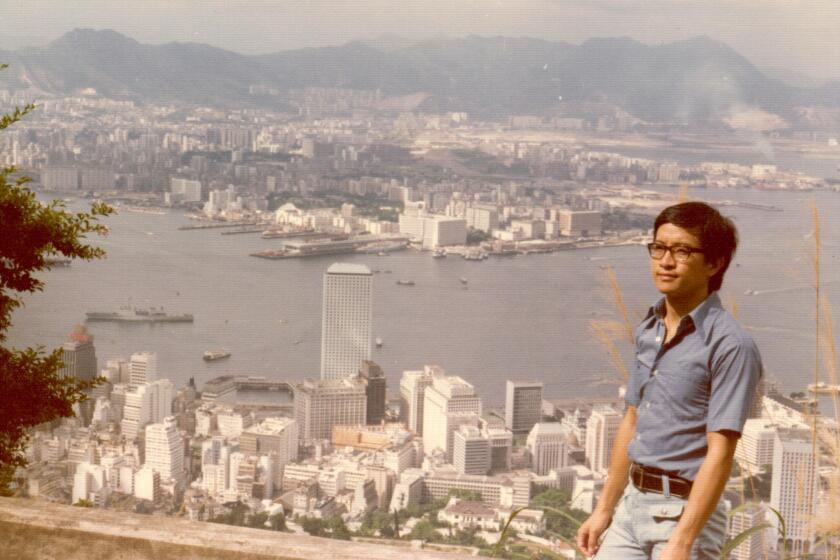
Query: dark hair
{"type": "Point", "coordinates": [717, 233]}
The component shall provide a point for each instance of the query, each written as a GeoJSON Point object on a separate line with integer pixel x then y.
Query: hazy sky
{"type": "Point", "coordinates": [800, 35]}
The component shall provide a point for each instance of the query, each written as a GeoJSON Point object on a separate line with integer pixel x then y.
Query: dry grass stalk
{"type": "Point", "coordinates": [682, 195]}
{"type": "Point", "coordinates": [606, 333]}
{"type": "Point", "coordinates": [815, 263]}
{"type": "Point", "coordinates": [829, 353]}
{"type": "Point", "coordinates": [618, 298]}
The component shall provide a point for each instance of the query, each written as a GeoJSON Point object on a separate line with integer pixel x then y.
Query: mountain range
{"type": "Point", "coordinates": [698, 80]}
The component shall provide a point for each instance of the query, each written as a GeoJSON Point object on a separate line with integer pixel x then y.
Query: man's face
{"type": "Point", "coordinates": [681, 280]}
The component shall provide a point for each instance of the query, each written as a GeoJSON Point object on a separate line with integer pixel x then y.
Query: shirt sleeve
{"type": "Point", "coordinates": [736, 371]}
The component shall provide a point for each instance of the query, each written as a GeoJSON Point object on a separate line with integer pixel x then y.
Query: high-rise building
{"type": "Point", "coordinates": [547, 445]}
{"type": "Point", "coordinates": [185, 190]}
{"type": "Point", "coordinates": [346, 320]}
{"type": "Point", "coordinates": [448, 403]}
{"type": "Point", "coordinates": [374, 379]}
{"type": "Point", "coordinates": [79, 355]}
{"type": "Point", "coordinates": [147, 484]}
{"type": "Point", "coordinates": [215, 461]}
{"type": "Point", "coordinates": [278, 436]}
{"type": "Point", "coordinates": [793, 489]}
{"type": "Point", "coordinates": [471, 450]}
{"type": "Point", "coordinates": [320, 405]}
{"type": "Point", "coordinates": [144, 404]}
{"type": "Point", "coordinates": [523, 405]}
{"type": "Point", "coordinates": [412, 395]}
{"type": "Point", "coordinates": [753, 547]}
{"type": "Point", "coordinates": [143, 368]}
{"type": "Point", "coordinates": [601, 429]}
{"type": "Point", "coordinates": [755, 447]}
{"type": "Point", "coordinates": [478, 448]}
{"type": "Point", "coordinates": [165, 450]}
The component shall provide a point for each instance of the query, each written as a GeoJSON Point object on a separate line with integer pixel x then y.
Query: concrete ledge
{"type": "Point", "coordinates": [32, 529]}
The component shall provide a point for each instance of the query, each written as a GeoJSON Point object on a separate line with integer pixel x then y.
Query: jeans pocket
{"type": "Point", "coordinates": [666, 511]}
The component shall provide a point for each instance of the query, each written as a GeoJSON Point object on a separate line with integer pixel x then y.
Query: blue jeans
{"type": "Point", "coordinates": [643, 522]}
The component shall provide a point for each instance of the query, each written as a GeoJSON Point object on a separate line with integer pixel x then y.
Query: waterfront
{"type": "Point", "coordinates": [522, 317]}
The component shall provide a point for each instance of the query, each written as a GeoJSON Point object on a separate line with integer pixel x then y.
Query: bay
{"type": "Point", "coordinates": [526, 317]}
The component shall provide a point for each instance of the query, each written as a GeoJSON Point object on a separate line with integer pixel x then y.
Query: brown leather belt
{"type": "Point", "coordinates": [649, 479]}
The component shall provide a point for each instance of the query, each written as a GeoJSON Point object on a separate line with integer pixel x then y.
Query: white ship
{"type": "Point", "coordinates": [212, 355]}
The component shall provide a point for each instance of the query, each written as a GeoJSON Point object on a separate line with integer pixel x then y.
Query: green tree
{"type": "Point", "coordinates": [313, 526]}
{"type": "Point", "coordinates": [277, 522]}
{"type": "Point", "coordinates": [425, 530]}
{"type": "Point", "coordinates": [31, 391]}
{"type": "Point", "coordinates": [338, 529]}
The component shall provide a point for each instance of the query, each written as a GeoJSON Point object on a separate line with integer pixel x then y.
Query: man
{"type": "Point", "coordinates": [693, 382]}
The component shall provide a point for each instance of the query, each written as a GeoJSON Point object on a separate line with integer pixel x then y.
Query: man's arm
{"type": "Point", "coordinates": [597, 523]}
{"type": "Point", "coordinates": [705, 493]}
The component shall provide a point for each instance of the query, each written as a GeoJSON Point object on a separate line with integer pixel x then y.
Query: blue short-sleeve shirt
{"type": "Point", "coordinates": [703, 380]}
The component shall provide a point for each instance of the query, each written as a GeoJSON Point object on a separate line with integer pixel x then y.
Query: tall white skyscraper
{"type": "Point", "coordinates": [793, 490]}
{"type": "Point", "coordinates": [755, 448]}
{"type": "Point", "coordinates": [165, 450]}
{"type": "Point", "coordinates": [448, 403]}
{"type": "Point", "coordinates": [412, 394]}
{"type": "Point", "coordinates": [149, 402]}
{"type": "Point", "coordinates": [547, 444]}
{"type": "Point", "coordinates": [601, 429]}
{"type": "Point", "coordinates": [143, 368]}
{"type": "Point", "coordinates": [523, 405]}
{"type": "Point", "coordinates": [346, 320]}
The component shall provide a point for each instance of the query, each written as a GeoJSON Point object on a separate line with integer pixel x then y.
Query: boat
{"type": "Point", "coordinates": [439, 253]}
{"type": "Point", "coordinates": [138, 315]}
{"type": "Point", "coordinates": [378, 342]}
{"type": "Point", "coordinates": [463, 280]}
{"type": "Point", "coordinates": [212, 355]}
{"type": "Point", "coordinates": [405, 282]}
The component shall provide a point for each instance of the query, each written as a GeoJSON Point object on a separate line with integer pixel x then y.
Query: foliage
{"type": "Point", "coordinates": [419, 510]}
{"type": "Point", "coordinates": [507, 532]}
{"type": "Point", "coordinates": [559, 517]}
{"type": "Point", "coordinates": [426, 531]}
{"type": "Point", "coordinates": [236, 516]}
{"type": "Point", "coordinates": [84, 503]}
{"type": "Point", "coordinates": [477, 236]}
{"type": "Point", "coordinates": [31, 233]}
{"type": "Point", "coordinates": [277, 522]}
{"type": "Point", "coordinates": [333, 527]}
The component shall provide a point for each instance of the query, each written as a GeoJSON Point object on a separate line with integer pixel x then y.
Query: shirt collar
{"type": "Point", "coordinates": [697, 316]}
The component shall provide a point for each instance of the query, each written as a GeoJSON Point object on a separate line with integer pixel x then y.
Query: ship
{"type": "Point", "coordinates": [405, 282]}
{"type": "Point", "coordinates": [439, 253]}
{"type": "Point", "coordinates": [379, 342]}
{"type": "Point", "coordinates": [463, 280]}
{"type": "Point", "coordinates": [212, 355]}
{"type": "Point", "coordinates": [138, 315]}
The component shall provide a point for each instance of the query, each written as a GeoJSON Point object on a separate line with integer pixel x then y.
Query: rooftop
{"type": "Point", "coordinates": [349, 268]}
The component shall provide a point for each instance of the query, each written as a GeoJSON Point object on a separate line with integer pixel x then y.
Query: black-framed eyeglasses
{"type": "Point", "coordinates": [681, 253]}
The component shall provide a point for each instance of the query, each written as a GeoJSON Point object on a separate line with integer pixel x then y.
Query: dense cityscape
{"type": "Point", "coordinates": [342, 454]}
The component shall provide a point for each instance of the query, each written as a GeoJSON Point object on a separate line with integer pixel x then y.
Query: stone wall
{"type": "Point", "coordinates": [38, 530]}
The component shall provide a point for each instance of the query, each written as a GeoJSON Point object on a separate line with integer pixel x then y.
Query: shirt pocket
{"type": "Point", "coordinates": [685, 388]}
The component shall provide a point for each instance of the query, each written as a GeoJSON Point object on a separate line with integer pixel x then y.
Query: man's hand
{"type": "Point", "coordinates": [675, 552]}
{"type": "Point", "coordinates": [591, 531]}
